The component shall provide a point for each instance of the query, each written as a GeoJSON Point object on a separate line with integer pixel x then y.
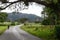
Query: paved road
{"type": "Point", "coordinates": [15, 33]}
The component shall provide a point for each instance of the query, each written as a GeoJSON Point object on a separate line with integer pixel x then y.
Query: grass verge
{"type": "Point", "coordinates": [46, 32]}
{"type": "Point", "coordinates": [2, 29]}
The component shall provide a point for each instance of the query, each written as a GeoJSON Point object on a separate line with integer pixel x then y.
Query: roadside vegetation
{"type": "Point", "coordinates": [4, 23]}
{"type": "Point", "coordinates": [46, 32]}
{"type": "Point", "coordinates": [4, 26]}
{"type": "Point", "coordinates": [2, 29]}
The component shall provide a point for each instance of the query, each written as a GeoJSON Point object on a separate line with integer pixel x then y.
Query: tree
{"type": "Point", "coordinates": [3, 16]}
{"type": "Point", "coordinates": [52, 5]}
{"type": "Point", "coordinates": [22, 20]}
{"type": "Point", "coordinates": [51, 16]}
{"type": "Point", "coordinates": [47, 3]}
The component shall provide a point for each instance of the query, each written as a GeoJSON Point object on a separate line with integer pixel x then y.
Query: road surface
{"type": "Point", "coordinates": [15, 33]}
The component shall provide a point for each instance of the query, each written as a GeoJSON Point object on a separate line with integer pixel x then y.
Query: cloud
{"type": "Point", "coordinates": [33, 9]}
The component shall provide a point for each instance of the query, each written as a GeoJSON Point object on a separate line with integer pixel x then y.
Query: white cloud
{"type": "Point", "coordinates": [33, 9]}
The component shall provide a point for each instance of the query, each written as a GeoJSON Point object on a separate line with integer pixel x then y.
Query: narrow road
{"type": "Point", "coordinates": [15, 33]}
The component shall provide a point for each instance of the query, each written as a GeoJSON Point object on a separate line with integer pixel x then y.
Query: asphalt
{"type": "Point", "coordinates": [15, 33]}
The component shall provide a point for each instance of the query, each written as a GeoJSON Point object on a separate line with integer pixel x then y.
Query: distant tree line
{"type": "Point", "coordinates": [3, 16]}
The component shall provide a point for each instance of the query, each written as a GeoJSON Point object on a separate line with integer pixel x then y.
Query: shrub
{"type": "Point", "coordinates": [13, 23]}
{"type": "Point", "coordinates": [37, 21]}
{"type": "Point", "coordinates": [45, 22]}
{"type": "Point", "coordinates": [57, 31]}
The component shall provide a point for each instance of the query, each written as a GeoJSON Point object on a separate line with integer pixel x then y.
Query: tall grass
{"type": "Point", "coordinates": [46, 32]}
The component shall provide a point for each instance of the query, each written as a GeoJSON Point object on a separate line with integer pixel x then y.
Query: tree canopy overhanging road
{"type": "Point", "coordinates": [52, 5]}
{"type": "Point", "coordinates": [47, 3]}
{"type": "Point", "coordinates": [52, 10]}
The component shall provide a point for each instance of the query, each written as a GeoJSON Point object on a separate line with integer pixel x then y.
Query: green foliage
{"type": "Point", "coordinates": [37, 21]}
{"type": "Point", "coordinates": [57, 31]}
{"type": "Point", "coordinates": [46, 22]}
{"type": "Point", "coordinates": [52, 17]}
{"type": "Point", "coordinates": [51, 1]}
{"type": "Point", "coordinates": [55, 1]}
{"type": "Point", "coordinates": [48, 10]}
{"type": "Point", "coordinates": [53, 11]}
{"type": "Point", "coordinates": [45, 32]}
{"type": "Point", "coordinates": [48, 1]}
{"type": "Point", "coordinates": [13, 23]}
{"type": "Point", "coordinates": [22, 20]}
{"type": "Point", "coordinates": [5, 23]}
{"type": "Point", "coordinates": [3, 16]}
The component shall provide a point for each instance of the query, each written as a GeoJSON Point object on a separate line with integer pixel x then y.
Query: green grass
{"type": "Point", "coordinates": [46, 32]}
{"type": "Point", "coordinates": [2, 29]}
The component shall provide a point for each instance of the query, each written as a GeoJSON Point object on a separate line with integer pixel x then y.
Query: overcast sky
{"type": "Point", "coordinates": [33, 9]}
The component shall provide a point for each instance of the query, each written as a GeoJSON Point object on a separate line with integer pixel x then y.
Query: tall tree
{"type": "Point", "coordinates": [22, 20]}
{"type": "Point", "coordinates": [51, 16]}
{"type": "Point", "coordinates": [3, 16]}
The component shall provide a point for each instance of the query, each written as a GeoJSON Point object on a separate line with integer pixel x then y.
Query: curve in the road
{"type": "Point", "coordinates": [15, 33]}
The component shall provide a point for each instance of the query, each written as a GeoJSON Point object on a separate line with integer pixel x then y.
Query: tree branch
{"type": "Point", "coordinates": [42, 3]}
{"type": "Point", "coordinates": [37, 1]}
{"type": "Point", "coordinates": [8, 5]}
{"type": "Point", "coordinates": [12, 2]}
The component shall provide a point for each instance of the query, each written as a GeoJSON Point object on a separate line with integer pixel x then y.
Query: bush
{"type": "Point", "coordinates": [57, 31]}
{"type": "Point", "coordinates": [45, 22]}
{"type": "Point", "coordinates": [17, 23]}
{"type": "Point", "coordinates": [3, 24]}
{"type": "Point", "coordinates": [13, 23]}
{"type": "Point", "coordinates": [37, 21]}
{"type": "Point", "coordinates": [48, 22]}
{"type": "Point", "coordinates": [46, 32]}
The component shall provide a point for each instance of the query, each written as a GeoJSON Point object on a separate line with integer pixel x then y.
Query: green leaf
{"type": "Point", "coordinates": [55, 1]}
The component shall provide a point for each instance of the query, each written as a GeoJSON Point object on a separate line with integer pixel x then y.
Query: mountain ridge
{"type": "Point", "coordinates": [16, 15]}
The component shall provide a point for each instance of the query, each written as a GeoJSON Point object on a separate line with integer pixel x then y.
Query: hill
{"type": "Point", "coordinates": [17, 15]}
